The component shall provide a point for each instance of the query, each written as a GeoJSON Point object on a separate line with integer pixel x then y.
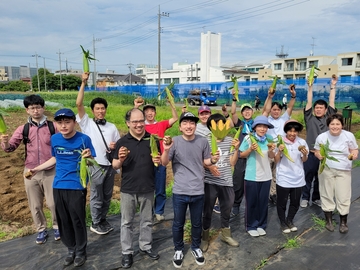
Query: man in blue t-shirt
{"type": "Point", "coordinates": [68, 147]}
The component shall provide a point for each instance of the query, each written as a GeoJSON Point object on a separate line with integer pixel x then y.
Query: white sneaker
{"type": "Point", "coordinates": [253, 233]}
{"type": "Point", "coordinates": [178, 258]}
{"type": "Point", "coordinates": [199, 258]}
{"type": "Point", "coordinates": [261, 231]}
{"type": "Point", "coordinates": [317, 202]}
{"type": "Point", "coordinates": [304, 203]}
{"type": "Point", "coordinates": [159, 217]}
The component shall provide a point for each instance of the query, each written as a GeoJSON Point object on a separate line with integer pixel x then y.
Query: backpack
{"type": "Point", "coordinates": [26, 133]}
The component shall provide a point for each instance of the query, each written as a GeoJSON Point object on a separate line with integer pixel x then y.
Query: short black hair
{"type": "Point", "coordinates": [33, 100]}
{"type": "Point", "coordinates": [216, 117]}
{"type": "Point", "coordinates": [295, 126]}
{"type": "Point", "coordinates": [98, 100]}
{"type": "Point", "coordinates": [334, 116]}
{"type": "Point", "coordinates": [129, 112]}
{"type": "Point", "coordinates": [275, 103]}
{"type": "Point", "coordinates": [320, 102]}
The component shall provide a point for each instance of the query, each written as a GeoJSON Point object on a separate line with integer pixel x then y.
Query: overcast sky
{"type": "Point", "coordinates": [127, 31]}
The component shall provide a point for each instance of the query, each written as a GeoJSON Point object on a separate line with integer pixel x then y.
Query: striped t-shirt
{"type": "Point", "coordinates": [224, 167]}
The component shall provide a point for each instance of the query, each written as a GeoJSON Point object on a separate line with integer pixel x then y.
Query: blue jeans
{"type": "Point", "coordinates": [180, 204]}
{"type": "Point", "coordinates": [160, 192]}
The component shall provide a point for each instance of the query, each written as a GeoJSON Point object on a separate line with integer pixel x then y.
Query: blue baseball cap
{"type": "Point", "coordinates": [261, 120]}
{"type": "Point", "coordinates": [65, 112]}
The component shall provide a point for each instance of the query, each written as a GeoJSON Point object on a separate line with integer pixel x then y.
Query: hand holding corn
{"type": "Point", "coordinates": [235, 144]}
{"type": "Point", "coordinates": [85, 77]}
{"type": "Point", "coordinates": [156, 159]}
{"type": "Point", "coordinates": [271, 146]}
{"type": "Point", "coordinates": [215, 157]}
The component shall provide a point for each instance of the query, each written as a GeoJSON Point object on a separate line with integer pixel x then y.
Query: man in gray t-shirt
{"type": "Point", "coordinates": [315, 125]}
{"type": "Point", "coordinates": [188, 152]}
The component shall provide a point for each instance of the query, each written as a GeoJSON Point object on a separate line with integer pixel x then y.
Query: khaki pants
{"type": "Point", "coordinates": [335, 183]}
{"type": "Point", "coordinates": [38, 187]}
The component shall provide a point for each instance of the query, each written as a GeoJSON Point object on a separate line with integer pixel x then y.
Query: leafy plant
{"type": "Point", "coordinates": [263, 262]}
{"type": "Point", "coordinates": [292, 243]}
{"type": "Point", "coordinates": [187, 231]}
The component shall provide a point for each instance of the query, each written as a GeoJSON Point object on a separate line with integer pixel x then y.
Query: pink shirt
{"type": "Point", "coordinates": [39, 148]}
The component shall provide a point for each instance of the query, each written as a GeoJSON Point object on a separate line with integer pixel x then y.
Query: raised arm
{"type": "Point", "coordinates": [234, 116]}
{"type": "Point", "coordinates": [309, 97]}
{"type": "Point", "coordinates": [268, 102]}
{"type": "Point", "coordinates": [80, 96]}
{"type": "Point", "coordinates": [334, 80]}
{"type": "Point", "coordinates": [292, 100]}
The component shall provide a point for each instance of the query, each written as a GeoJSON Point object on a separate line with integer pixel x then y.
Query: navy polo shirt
{"type": "Point", "coordinates": [138, 169]}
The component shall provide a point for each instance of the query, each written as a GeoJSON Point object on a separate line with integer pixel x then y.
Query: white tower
{"type": "Point", "coordinates": [210, 54]}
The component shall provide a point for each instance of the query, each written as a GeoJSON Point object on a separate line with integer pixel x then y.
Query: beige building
{"type": "Point", "coordinates": [3, 75]}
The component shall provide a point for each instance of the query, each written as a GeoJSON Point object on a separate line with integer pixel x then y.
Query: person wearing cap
{"type": "Point", "coordinates": [257, 175]}
{"type": "Point", "coordinates": [290, 177]}
{"type": "Point", "coordinates": [247, 112]}
{"type": "Point", "coordinates": [257, 103]}
{"type": "Point", "coordinates": [104, 135]}
{"type": "Point", "coordinates": [158, 128]}
{"type": "Point", "coordinates": [68, 147]}
{"type": "Point", "coordinates": [189, 153]}
{"type": "Point", "coordinates": [204, 113]}
{"type": "Point", "coordinates": [220, 186]}
{"type": "Point", "coordinates": [335, 179]}
{"type": "Point", "coordinates": [315, 125]}
{"type": "Point", "coordinates": [133, 157]}
{"type": "Point", "coordinates": [38, 150]}
{"type": "Point", "coordinates": [272, 110]}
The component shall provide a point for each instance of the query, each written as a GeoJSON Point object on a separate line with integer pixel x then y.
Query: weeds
{"type": "Point", "coordinates": [292, 243]}
{"type": "Point", "coordinates": [187, 231]}
{"type": "Point", "coordinates": [169, 189]}
{"type": "Point", "coordinates": [319, 223]}
{"type": "Point", "coordinates": [263, 262]}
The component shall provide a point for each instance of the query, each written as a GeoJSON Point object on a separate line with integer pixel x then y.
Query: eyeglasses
{"type": "Point", "coordinates": [35, 108]}
{"type": "Point", "coordinates": [135, 122]}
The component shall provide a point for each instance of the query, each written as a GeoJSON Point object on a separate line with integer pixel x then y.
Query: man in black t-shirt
{"type": "Point", "coordinates": [133, 157]}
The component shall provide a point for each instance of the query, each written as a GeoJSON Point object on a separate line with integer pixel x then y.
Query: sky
{"type": "Point", "coordinates": [126, 32]}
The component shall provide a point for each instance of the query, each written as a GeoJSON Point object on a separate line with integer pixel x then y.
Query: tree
{"type": "Point", "coordinates": [16, 86]}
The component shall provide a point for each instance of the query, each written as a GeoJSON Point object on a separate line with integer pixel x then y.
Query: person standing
{"type": "Point", "coordinates": [67, 148]}
{"type": "Point", "coordinates": [100, 131]}
{"type": "Point", "coordinates": [257, 103]}
{"type": "Point", "coordinates": [188, 153]}
{"type": "Point", "coordinates": [38, 150]}
{"type": "Point", "coordinates": [273, 111]}
{"type": "Point", "coordinates": [220, 186]}
{"type": "Point", "coordinates": [315, 125]}
{"type": "Point", "coordinates": [257, 176]}
{"type": "Point", "coordinates": [133, 157]}
{"type": "Point", "coordinates": [158, 128]}
{"type": "Point", "coordinates": [290, 175]}
{"type": "Point", "coordinates": [335, 179]}
{"type": "Point", "coordinates": [284, 102]}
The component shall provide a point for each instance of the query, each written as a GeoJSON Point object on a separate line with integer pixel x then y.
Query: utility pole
{"type": "Point", "coordinates": [45, 73]}
{"type": "Point", "coordinates": [312, 46]}
{"type": "Point", "coordinates": [31, 86]}
{"type": "Point", "coordinates": [37, 69]}
{"type": "Point", "coordinates": [129, 66]}
{"type": "Point", "coordinates": [164, 14]}
{"type": "Point", "coordinates": [94, 73]}
{"type": "Point", "coordinates": [60, 53]}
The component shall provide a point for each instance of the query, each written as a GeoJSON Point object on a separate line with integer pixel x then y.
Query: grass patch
{"type": "Point", "coordinates": [48, 217]}
{"type": "Point", "coordinates": [292, 243]}
{"type": "Point", "coordinates": [114, 208]}
{"type": "Point", "coordinates": [169, 189]}
{"type": "Point", "coordinates": [187, 231]}
{"type": "Point", "coordinates": [356, 163]}
{"type": "Point", "coordinates": [263, 262]}
{"type": "Point", "coordinates": [319, 223]}
{"type": "Point", "coordinates": [10, 230]}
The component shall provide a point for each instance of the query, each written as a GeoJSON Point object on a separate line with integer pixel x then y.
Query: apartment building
{"type": "Point", "coordinates": [3, 75]}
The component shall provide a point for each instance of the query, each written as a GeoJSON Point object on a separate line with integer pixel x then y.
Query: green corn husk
{"type": "Point", "coordinates": [3, 127]}
{"type": "Point", "coordinates": [86, 59]}
{"type": "Point", "coordinates": [324, 152]}
{"type": "Point", "coordinates": [312, 75]}
{"type": "Point", "coordinates": [285, 151]}
{"type": "Point", "coordinates": [237, 134]}
{"type": "Point", "coordinates": [235, 87]}
{"type": "Point", "coordinates": [153, 147]}
{"type": "Point", "coordinates": [253, 140]}
{"type": "Point", "coordinates": [214, 146]}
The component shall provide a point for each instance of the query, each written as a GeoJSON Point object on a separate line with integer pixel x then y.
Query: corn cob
{"type": "Point", "coordinates": [84, 171]}
{"type": "Point", "coordinates": [3, 126]}
{"type": "Point", "coordinates": [312, 75]}
{"type": "Point", "coordinates": [153, 147]}
{"type": "Point", "coordinates": [237, 134]}
{"type": "Point", "coordinates": [169, 94]}
{"type": "Point", "coordinates": [253, 140]}
{"type": "Point", "coordinates": [86, 59]}
{"type": "Point", "coordinates": [235, 87]}
{"type": "Point", "coordinates": [324, 152]}
{"type": "Point", "coordinates": [214, 146]}
{"type": "Point", "coordinates": [285, 151]}
{"type": "Point", "coordinates": [219, 129]}
{"type": "Point", "coordinates": [275, 81]}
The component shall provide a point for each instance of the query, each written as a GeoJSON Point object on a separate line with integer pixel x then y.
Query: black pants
{"type": "Point", "coordinates": [311, 167]}
{"type": "Point", "coordinates": [70, 214]}
{"type": "Point", "coordinates": [238, 181]}
{"type": "Point", "coordinates": [282, 198]}
{"type": "Point", "coordinates": [226, 199]}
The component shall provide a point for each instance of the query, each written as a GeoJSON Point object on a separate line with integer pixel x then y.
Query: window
{"type": "Point", "coordinates": [150, 80]}
{"type": "Point", "coordinates": [313, 63]}
{"type": "Point", "coordinates": [227, 77]}
{"type": "Point", "coordinates": [277, 66]}
{"type": "Point", "coordinates": [175, 80]}
{"type": "Point", "coordinates": [347, 61]}
{"type": "Point", "coordinates": [167, 80]}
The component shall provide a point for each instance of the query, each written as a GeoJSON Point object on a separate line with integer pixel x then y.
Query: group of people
{"type": "Point", "coordinates": [269, 162]}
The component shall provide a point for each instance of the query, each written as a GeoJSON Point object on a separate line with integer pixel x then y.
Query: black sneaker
{"type": "Point", "coordinates": [178, 258]}
{"type": "Point", "coordinates": [99, 229]}
{"type": "Point", "coordinates": [106, 225]}
{"type": "Point", "coordinates": [199, 258]}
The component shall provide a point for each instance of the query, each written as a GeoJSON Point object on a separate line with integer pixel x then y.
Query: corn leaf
{"type": "Point", "coordinates": [220, 129]}
{"type": "Point", "coordinates": [237, 134]}
{"type": "Point", "coordinates": [3, 126]}
{"type": "Point", "coordinates": [153, 146]}
{"type": "Point", "coordinates": [312, 75]}
{"type": "Point", "coordinates": [285, 151]}
{"type": "Point", "coordinates": [253, 140]}
{"type": "Point", "coordinates": [86, 59]}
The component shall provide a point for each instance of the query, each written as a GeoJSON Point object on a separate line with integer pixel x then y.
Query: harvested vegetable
{"type": "Point", "coordinates": [237, 134]}
{"type": "Point", "coordinates": [139, 100]}
{"type": "Point", "coordinates": [325, 153]}
{"type": "Point", "coordinates": [154, 147]}
{"type": "Point", "coordinates": [301, 147]}
{"type": "Point", "coordinates": [351, 156]}
{"type": "Point", "coordinates": [285, 151]}
{"type": "Point", "coordinates": [3, 126]}
{"type": "Point", "coordinates": [220, 129]}
{"type": "Point", "coordinates": [275, 81]}
{"type": "Point", "coordinates": [84, 170]}
{"type": "Point", "coordinates": [235, 87]}
{"type": "Point", "coordinates": [312, 75]}
{"type": "Point", "coordinates": [167, 140]}
{"type": "Point", "coordinates": [169, 94]}
{"type": "Point", "coordinates": [28, 174]}
{"type": "Point", "coordinates": [86, 59]}
{"type": "Point", "coordinates": [253, 140]}
{"type": "Point", "coordinates": [214, 146]}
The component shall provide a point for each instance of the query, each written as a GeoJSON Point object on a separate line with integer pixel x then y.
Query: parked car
{"type": "Point", "coordinates": [201, 97]}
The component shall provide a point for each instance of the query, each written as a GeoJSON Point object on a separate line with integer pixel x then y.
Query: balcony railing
{"type": "Point", "coordinates": [357, 65]}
